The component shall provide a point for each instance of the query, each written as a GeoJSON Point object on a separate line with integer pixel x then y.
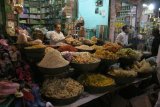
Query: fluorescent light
{"type": "Point", "coordinates": [159, 9]}
{"type": "Point", "coordinates": [151, 7]}
{"type": "Point", "coordinates": [145, 5]}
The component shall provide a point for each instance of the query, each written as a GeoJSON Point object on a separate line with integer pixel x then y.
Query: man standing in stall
{"type": "Point", "coordinates": [122, 38]}
{"type": "Point", "coordinates": [56, 36]}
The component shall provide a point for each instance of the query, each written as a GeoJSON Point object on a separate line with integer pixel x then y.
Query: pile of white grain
{"type": "Point", "coordinates": [53, 59]}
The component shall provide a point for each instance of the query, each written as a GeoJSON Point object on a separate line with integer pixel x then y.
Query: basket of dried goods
{"type": "Point", "coordinates": [85, 48]}
{"type": "Point", "coordinates": [85, 62]}
{"type": "Point", "coordinates": [122, 76]}
{"type": "Point", "coordinates": [143, 68]}
{"type": "Point", "coordinates": [96, 47]}
{"type": "Point", "coordinates": [127, 57]}
{"type": "Point", "coordinates": [67, 48]}
{"type": "Point", "coordinates": [88, 42]}
{"type": "Point", "coordinates": [61, 91]}
{"type": "Point", "coordinates": [35, 52]}
{"type": "Point", "coordinates": [96, 83]}
{"type": "Point", "coordinates": [112, 47]}
{"type": "Point", "coordinates": [72, 41]}
{"type": "Point", "coordinates": [53, 63]}
{"type": "Point", "coordinates": [107, 58]}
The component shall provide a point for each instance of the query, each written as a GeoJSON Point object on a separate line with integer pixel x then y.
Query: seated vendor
{"type": "Point", "coordinates": [24, 38]}
{"type": "Point", "coordinates": [56, 36]}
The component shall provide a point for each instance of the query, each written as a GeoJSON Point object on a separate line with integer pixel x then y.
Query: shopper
{"type": "Point", "coordinates": [156, 41]}
{"type": "Point", "coordinates": [122, 38]}
{"type": "Point", "coordinates": [56, 36]}
{"type": "Point", "coordinates": [22, 36]}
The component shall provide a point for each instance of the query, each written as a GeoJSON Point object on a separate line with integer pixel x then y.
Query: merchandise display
{"type": "Point", "coordinates": [53, 59]}
{"type": "Point", "coordinates": [84, 58]}
{"type": "Point", "coordinates": [96, 80]}
{"type": "Point", "coordinates": [81, 67]}
{"type": "Point", "coordinates": [36, 46]}
{"type": "Point", "coordinates": [88, 42]}
{"type": "Point", "coordinates": [67, 48]}
{"type": "Point", "coordinates": [84, 47]}
{"type": "Point", "coordinates": [112, 47]}
{"type": "Point", "coordinates": [123, 73]}
{"type": "Point", "coordinates": [96, 47]}
{"type": "Point", "coordinates": [129, 53]}
{"type": "Point", "coordinates": [61, 88]}
{"type": "Point", "coordinates": [73, 41]}
{"type": "Point", "coordinates": [143, 67]}
{"type": "Point", "coordinates": [104, 54]}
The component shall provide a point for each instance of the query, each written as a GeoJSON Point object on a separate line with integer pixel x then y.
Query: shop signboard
{"type": "Point", "coordinates": [147, 11]}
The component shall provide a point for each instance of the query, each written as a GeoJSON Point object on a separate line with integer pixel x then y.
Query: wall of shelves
{"type": "Point", "coordinates": [42, 12]}
{"type": "Point", "coordinates": [126, 15]}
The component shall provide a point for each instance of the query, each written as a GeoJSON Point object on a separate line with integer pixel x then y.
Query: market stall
{"type": "Point", "coordinates": [68, 71]}
{"type": "Point", "coordinates": [73, 71]}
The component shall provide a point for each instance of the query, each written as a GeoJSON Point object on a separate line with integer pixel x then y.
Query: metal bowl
{"type": "Point", "coordinates": [94, 89]}
{"type": "Point", "coordinates": [121, 80]}
{"type": "Point", "coordinates": [105, 64]}
{"type": "Point", "coordinates": [53, 71]}
{"type": "Point", "coordinates": [126, 62]}
{"type": "Point", "coordinates": [143, 75]}
{"type": "Point", "coordinates": [35, 55]}
{"type": "Point", "coordinates": [61, 102]}
{"type": "Point", "coordinates": [98, 90]}
{"type": "Point", "coordinates": [90, 51]}
{"type": "Point", "coordinates": [91, 67]}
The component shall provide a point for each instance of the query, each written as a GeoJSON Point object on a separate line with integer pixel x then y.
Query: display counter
{"type": "Point", "coordinates": [86, 97]}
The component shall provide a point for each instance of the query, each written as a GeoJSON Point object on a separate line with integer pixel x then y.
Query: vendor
{"type": "Point", "coordinates": [24, 38]}
{"type": "Point", "coordinates": [122, 38]}
{"type": "Point", "coordinates": [56, 36]}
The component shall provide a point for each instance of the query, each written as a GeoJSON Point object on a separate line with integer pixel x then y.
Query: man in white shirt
{"type": "Point", "coordinates": [122, 38]}
{"type": "Point", "coordinates": [56, 36]}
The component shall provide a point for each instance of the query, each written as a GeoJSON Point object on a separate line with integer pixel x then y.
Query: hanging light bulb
{"type": "Point", "coordinates": [151, 7]}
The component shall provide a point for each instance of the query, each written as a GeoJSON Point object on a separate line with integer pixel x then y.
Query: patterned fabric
{"type": "Point", "coordinates": [6, 67]}
{"type": "Point", "coordinates": [23, 73]}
